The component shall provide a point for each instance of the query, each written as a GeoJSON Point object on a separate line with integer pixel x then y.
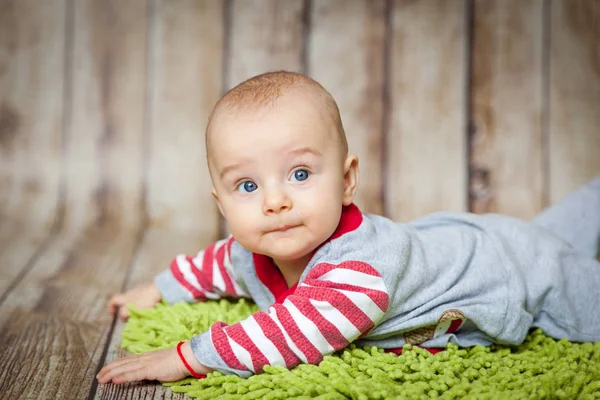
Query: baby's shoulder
{"type": "Point", "coordinates": [377, 240]}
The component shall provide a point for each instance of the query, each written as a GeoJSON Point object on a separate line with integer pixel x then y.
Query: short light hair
{"type": "Point", "coordinates": [263, 91]}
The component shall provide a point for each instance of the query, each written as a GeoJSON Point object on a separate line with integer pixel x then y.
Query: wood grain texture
{"type": "Point", "coordinates": [145, 390]}
{"type": "Point", "coordinates": [574, 120]}
{"type": "Point", "coordinates": [264, 36]}
{"type": "Point", "coordinates": [60, 305]}
{"type": "Point", "coordinates": [105, 142]}
{"type": "Point", "coordinates": [39, 343]}
{"type": "Point", "coordinates": [19, 245]}
{"type": "Point", "coordinates": [426, 141]}
{"type": "Point", "coordinates": [32, 69]}
{"type": "Point", "coordinates": [157, 250]}
{"type": "Point", "coordinates": [507, 108]}
{"type": "Point", "coordinates": [56, 321]}
{"type": "Point", "coordinates": [184, 86]}
{"type": "Point", "coordinates": [350, 67]}
{"type": "Point", "coordinates": [185, 82]}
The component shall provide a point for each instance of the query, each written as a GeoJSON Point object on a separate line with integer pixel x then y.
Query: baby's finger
{"type": "Point", "coordinates": [124, 313]}
{"type": "Point", "coordinates": [120, 373]}
{"type": "Point", "coordinates": [112, 308]}
{"type": "Point", "coordinates": [132, 375]}
{"type": "Point", "coordinates": [116, 300]}
{"type": "Point", "coordinates": [108, 369]}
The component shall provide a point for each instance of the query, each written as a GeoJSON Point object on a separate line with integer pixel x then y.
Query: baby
{"type": "Point", "coordinates": [326, 275]}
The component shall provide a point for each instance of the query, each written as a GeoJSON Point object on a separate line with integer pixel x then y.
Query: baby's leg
{"type": "Point", "coordinates": [576, 218]}
{"type": "Point", "coordinates": [569, 305]}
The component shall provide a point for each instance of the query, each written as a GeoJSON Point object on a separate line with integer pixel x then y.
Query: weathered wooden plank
{"type": "Point", "coordinates": [264, 36]}
{"type": "Point", "coordinates": [426, 141]}
{"type": "Point", "coordinates": [28, 338]}
{"type": "Point", "coordinates": [507, 76]}
{"type": "Point", "coordinates": [32, 66]}
{"type": "Point", "coordinates": [17, 248]}
{"type": "Point", "coordinates": [32, 54]}
{"type": "Point", "coordinates": [55, 320]}
{"type": "Point", "coordinates": [156, 252]}
{"type": "Point", "coordinates": [106, 139]}
{"type": "Point", "coordinates": [186, 77]}
{"type": "Point", "coordinates": [350, 66]}
{"type": "Point", "coordinates": [61, 302]}
{"type": "Point", "coordinates": [574, 86]}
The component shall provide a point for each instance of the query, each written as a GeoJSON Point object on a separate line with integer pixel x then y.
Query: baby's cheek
{"type": "Point", "coordinates": [326, 221]}
{"type": "Point", "coordinates": [237, 230]}
{"type": "Point", "coordinates": [244, 231]}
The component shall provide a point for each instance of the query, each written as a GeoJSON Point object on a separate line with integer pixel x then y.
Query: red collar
{"type": "Point", "coordinates": [271, 277]}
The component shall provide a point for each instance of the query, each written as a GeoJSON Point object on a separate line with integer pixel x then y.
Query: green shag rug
{"type": "Point", "coordinates": [540, 368]}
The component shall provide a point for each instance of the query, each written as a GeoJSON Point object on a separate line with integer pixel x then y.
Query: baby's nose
{"type": "Point", "coordinates": [276, 201]}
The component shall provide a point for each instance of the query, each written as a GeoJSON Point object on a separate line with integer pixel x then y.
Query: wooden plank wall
{"type": "Point", "coordinates": [507, 148]}
{"type": "Point", "coordinates": [480, 105]}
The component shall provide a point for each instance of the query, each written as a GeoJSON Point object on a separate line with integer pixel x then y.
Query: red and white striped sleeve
{"type": "Point", "coordinates": [208, 275]}
{"type": "Point", "coordinates": [333, 306]}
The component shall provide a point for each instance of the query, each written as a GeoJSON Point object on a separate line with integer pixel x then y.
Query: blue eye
{"type": "Point", "coordinates": [300, 175]}
{"type": "Point", "coordinates": [247, 187]}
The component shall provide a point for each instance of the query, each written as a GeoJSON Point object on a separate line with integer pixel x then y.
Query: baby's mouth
{"type": "Point", "coordinates": [284, 228]}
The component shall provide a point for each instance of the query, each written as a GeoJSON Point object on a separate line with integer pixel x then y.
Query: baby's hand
{"type": "Point", "coordinates": [163, 365]}
{"type": "Point", "coordinates": [143, 296]}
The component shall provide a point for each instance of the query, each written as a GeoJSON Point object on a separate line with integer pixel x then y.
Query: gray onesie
{"type": "Point", "coordinates": [448, 277]}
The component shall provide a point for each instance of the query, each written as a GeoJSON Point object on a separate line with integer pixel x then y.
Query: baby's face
{"type": "Point", "coordinates": [278, 177]}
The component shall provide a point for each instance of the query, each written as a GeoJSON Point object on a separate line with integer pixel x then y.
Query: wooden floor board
{"type": "Point", "coordinates": [55, 319]}
{"type": "Point", "coordinates": [137, 390]}
{"type": "Point", "coordinates": [32, 83]}
{"type": "Point", "coordinates": [19, 245]}
{"type": "Point", "coordinates": [156, 251]}
{"type": "Point", "coordinates": [65, 350]}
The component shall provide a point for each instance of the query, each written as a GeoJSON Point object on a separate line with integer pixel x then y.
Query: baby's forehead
{"type": "Point", "coordinates": [310, 110]}
{"type": "Point", "coordinates": [291, 109]}
{"type": "Point", "coordinates": [290, 128]}
{"type": "Point", "coordinates": [305, 100]}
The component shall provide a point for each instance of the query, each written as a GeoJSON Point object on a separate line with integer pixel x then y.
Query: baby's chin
{"type": "Point", "coordinates": [286, 255]}
{"type": "Point", "coordinates": [287, 250]}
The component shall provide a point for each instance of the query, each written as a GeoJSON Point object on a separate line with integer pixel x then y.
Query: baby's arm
{"type": "Point", "coordinates": [332, 307]}
{"type": "Point", "coordinates": [208, 275]}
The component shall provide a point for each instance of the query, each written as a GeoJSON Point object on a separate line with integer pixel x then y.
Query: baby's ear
{"type": "Point", "coordinates": [350, 179]}
{"type": "Point", "coordinates": [214, 193]}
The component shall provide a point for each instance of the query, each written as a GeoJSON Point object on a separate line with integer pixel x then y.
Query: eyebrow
{"type": "Point", "coordinates": [299, 151]}
{"type": "Point", "coordinates": [232, 167]}
{"type": "Point", "coordinates": [304, 150]}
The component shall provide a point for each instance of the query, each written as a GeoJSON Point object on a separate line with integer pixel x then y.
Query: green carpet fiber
{"type": "Point", "coordinates": [541, 367]}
